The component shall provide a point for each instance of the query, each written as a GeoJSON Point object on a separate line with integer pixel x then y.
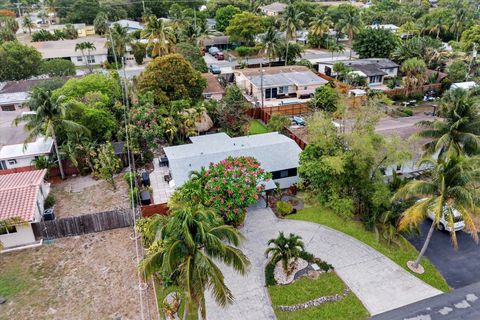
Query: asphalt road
{"type": "Point", "coordinates": [459, 267]}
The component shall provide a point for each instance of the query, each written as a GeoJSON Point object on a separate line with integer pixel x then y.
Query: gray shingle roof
{"type": "Point", "coordinates": [274, 7]}
{"type": "Point", "coordinates": [299, 78]}
{"type": "Point", "coordinates": [274, 151]}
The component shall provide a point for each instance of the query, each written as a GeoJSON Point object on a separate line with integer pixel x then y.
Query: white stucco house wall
{"type": "Point", "coordinates": [22, 197]}
{"type": "Point", "coordinates": [22, 155]}
{"type": "Point", "coordinates": [277, 154]}
{"type": "Point", "coordinates": [65, 49]}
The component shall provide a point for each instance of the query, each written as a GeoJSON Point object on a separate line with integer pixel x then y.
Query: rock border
{"type": "Point", "coordinates": [315, 302]}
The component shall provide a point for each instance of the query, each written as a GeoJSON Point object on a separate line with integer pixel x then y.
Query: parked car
{"type": "Point", "coordinates": [213, 50]}
{"type": "Point", "coordinates": [214, 69]}
{"type": "Point", "coordinates": [299, 121]}
{"type": "Point", "coordinates": [220, 56]}
{"type": "Point", "coordinates": [443, 223]}
{"type": "Point", "coordinates": [145, 179]}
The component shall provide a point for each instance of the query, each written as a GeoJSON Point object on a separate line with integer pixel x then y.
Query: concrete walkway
{"type": "Point", "coordinates": [377, 281]}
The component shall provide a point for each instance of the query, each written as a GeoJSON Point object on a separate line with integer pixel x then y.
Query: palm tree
{"type": "Point", "coordinates": [160, 36]}
{"type": "Point", "coordinates": [285, 249]}
{"type": "Point", "coordinates": [320, 25]}
{"type": "Point", "coordinates": [187, 245]}
{"type": "Point", "coordinates": [271, 43]}
{"type": "Point", "coordinates": [28, 23]}
{"type": "Point", "coordinates": [437, 25]}
{"type": "Point", "coordinates": [291, 23]}
{"type": "Point", "coordinates": [458, 131]}
{"type": "Point", "coordinates": [414, 71]}
{"type": "Point", "coordinates": [460, 17]}
{"type": "Point", "coordinates": [120, 37]}
{"type": "Point", "coordinates": [46, 119]}
{"type": "Point", "coordinates": [88, 46]}
{"type": "Point", "coordinates": [333, 46]}
{"type": "Point", "coordinates": [350, 24]}
{"type": "Point", "coordinates": [452, 187]}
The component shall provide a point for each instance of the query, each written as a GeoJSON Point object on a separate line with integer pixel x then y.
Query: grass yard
{"type": "Point", "coordinates": [305, 289]}
{"type": "Point", "coordinates": [400, 255]}
{"type": "Point", "coordinates": [256, 127]}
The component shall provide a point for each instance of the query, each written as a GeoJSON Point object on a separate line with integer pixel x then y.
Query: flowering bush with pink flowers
{"type": "Point", "coordinates": [232, 185]}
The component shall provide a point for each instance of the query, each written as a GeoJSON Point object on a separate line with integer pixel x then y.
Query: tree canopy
{"type": "Point", "coordinates": [375, 43]}
{"type": "Point", "coordinates": [18, 61]}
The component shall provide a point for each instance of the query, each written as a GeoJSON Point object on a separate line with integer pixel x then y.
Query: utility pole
{"type": "Point", "coordinates": [261, 83]}
{"type": "Point", "coordinates": [143, 4]}
{"type": "Point", "coordinates": [19, 10]}
{"type": "Point", "coordinates": [43, 11]}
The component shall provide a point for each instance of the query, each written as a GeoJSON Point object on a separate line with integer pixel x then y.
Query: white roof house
{"type": "Point", "coordinates": [390, 27]}
{"type": "Point", "coordinates": [464, 85]}
{"type": "Point", "coordinates": [22, 155]}
{"type": "Point", "coordinates": [276, 153]}
{"type": "Point", "coordinates": [129, 24]}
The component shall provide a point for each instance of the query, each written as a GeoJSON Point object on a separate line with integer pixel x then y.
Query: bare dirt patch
{"type": "Point", "coordinates": [84, 195]}
{"type": "Point", "coordinates": [88, 277]}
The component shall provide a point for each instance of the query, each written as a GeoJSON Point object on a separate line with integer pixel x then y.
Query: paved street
{"type": "Point", "coordinates": [377, 281]}
{"type": "Point", "coordinates": [458, 267]}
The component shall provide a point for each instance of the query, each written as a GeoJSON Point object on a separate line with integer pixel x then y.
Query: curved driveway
{"type": "Point", "coordinates": [377, 281]}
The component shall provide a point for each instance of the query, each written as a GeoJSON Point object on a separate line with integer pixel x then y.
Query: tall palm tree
{"type": "Point", "coordinates": [188, 243]}
{"type": "Point", "coordinates": [320, 25]}
{"type": "Point", "coordinates": [118, 39]}
{"type": "Point", "coordinates": [271, 43]}
{"type": "Point", "coordinates": [86, 46]}
{"type": "Point", "coordinates": [452, 186]}
{"type": "Point", "coordinates": [28, 23]}
{"type": "Point", "coordinates": [350, 24]}
{"type": "Point", "coordinates": [48, 116]}
{"type": "Point", "coordinates": [460, 17]}
{"type": "Point", "coordinates": [285, 249]}
{"type": "Point", "coordinates": [291, 22]}
{"type": "Point", "coordinates": [458, 131]}
{"type": "Point", "coordinates": [414, 71]}
{"type": "Point", "coordinates": [161, 37]}
{"type": "Point", "coordinates": [437, 24]}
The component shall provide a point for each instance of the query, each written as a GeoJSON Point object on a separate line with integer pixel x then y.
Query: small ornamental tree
{"type": "Point", "coordinates": [232, 185]}
{"type": "Point", "coordinates": [107, 164]}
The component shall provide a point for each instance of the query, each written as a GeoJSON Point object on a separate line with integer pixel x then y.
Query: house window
{"type": "Point", "coordinates": [280, 174]}
{"type": "Point", "coordinates": [91, 59]}
{"type": "Point", "coordinates": [7, 229]}
{"type": "Point", "coordinates": [12, 161]}
{"type": "Point", "coordinates": [10, 107]}
{"type": "Point", "coordinates": [305, 88]}
{"type": "Point", "coordinates": [79, 59]}
{"type": "Point", "coordinates": [283, 90]}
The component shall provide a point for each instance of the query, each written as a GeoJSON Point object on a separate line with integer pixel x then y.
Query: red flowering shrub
{"type": "Point", "coordinates": [232, 185]}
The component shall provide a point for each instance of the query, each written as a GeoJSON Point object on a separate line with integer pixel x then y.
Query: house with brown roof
{"type": "Point", "coordinates": [22, 197]}
{"type": "Point", "coordinates": [214, 89]}
{"type": "Point", "coordinates": [273, 9]}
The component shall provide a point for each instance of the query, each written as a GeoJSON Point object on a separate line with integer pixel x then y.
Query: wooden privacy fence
{"type": "Point", "coordinates": [422, 89]}
{"type": "Point", "coordinates": [287, 109]}
{"type": "Point", "coordinates": [88, 223]}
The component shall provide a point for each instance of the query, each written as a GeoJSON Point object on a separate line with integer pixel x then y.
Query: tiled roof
{"type": "Point", "coordinates": [18, 194]}
{"type": "Point", "coordinates": [213, 86]}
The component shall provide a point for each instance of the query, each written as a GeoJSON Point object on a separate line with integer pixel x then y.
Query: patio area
{"type": "Point", "coordinates": [161, 188]}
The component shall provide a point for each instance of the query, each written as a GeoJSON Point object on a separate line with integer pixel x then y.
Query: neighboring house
{"type": "Point", "coordinates": [464, 85]}
{"type": "Point", "coordinates": [22, 196]}
{"type": "Point", "coordinates": [276, 153]}
{"type": "Point", "coordinates": [15, 93]}
{"type": "Point", "coordinates": [65, 49]}
{"type": "Point", "coordinates": [390, 27]}
{"type": "Point", "coordinates": [374, 69]}
{"type": "Point", "coordinates": [273, 9]}
{"type": "Point", "coordinates": [221, 42]}
{"type": "Point", "coordinates": [131, 25]}
{"type": "Point", "coordinates": [22, 155]}
{"type": "Point", "coordinates": [82, 29]}
{"type": "Point", "coordinates": [214, 89]}
{"type": "Point", "coordinates": [278, 83]}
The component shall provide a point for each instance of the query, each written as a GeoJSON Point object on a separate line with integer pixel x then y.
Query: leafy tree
{"type": "Point", "coordinates": [285, 249]}
{"type": "Point", "coordinates": [231, 112]}
{"type": "Point", "coordinates": [375, 43]}
{"type": "Point", "coordinates": [244, 27]}
{"type": "Point", "coordinates": [70, 31]}
{"type": "Point", "coordinates": [57, 68]}
{"type": "Point", "coordinates": [188, 242]}
{"type": "Point", "coordinates": [6, 35]}
{"type": "Point", "coordinates": [457, 71]}
{"type": "Point", "coordinates": [325, 98]}
{"type": "Point", "coordinates": [414, 71]}
{"type": "Point", "coordinates": [83, 11]}
{"type": "Point", "coordinates": [101, 124]}
{"type": "Point", "coordinates": [224, 15]}
{"type": "Point", "coordinates": [28, 24]}
{"type": "Point", "coordinates": [88, 47]}
{"type": "Point", "coordinates": [278, 122]}
{"type": "Point", "coordinates": [193, 55]}
{"type": "Point", "coordinates": [451, 187]}
{"type": "Point", "coordinates": [291, 22]}
{"type": "Point", "coordinates": [101, 23]}
{"type": "Point", "coordinates": [179, 79]}
{"type": "Point", "coordinates": [107, 164]}
{"type": "Point", "coordinates": [49, 117]}
{"type": "Point", "coordinates": [428, 49]}
{"type": "Point", "coordinates": [146, 126]}
{"type": "Point", "coordinates": [139, 51]}
{"type": "Point", "coordinates": [9, 23]}
{"type": "Point", "coordinates": [409, 29]}
{"type": "Point", "coordinates": [18, 61]}
{"type": "Point", "coordinates": [161, 38]}
{"type": "Point", "coordinates": [214, 5]}
{"type": "Point", "coordinates": [294, 52]}
{"type": "Point", "coordinates": [471, 38]}
{"type": "Point", "coordinates": [457, 133]}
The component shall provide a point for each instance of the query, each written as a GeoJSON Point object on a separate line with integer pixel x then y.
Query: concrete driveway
{"type": "Point", "coordinates": [377, 281]}
{"type": "Point", "coordinates": [458, 267]}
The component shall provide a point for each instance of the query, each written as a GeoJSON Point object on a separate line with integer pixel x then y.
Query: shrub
{"type": "Point", "coordinates": [324, 265]}
{"type": "Point", "coordinates": [49, 201]}
{"type": "Point", "coordinates": [57, 68]}
{"type": "Point", "coordinates": [270, 272]}
{"type": "Point", "coordinates": [284, 208]}
{"type": "Point", "coordinates": [133, 195]}
{"type": "Point", "coordinates": [245, 51]}
{"type": "Point", "coordinates": [129, 177]}
{"type": "Point", "coordinates": [416, 95]}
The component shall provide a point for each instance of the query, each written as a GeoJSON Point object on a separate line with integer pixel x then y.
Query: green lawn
{"type": "Point", "coordinates": [356, 229]}
{"type": "Point", "coordinates": [256, 127]}
{"type": "Point", "coordinates": [305, 289]}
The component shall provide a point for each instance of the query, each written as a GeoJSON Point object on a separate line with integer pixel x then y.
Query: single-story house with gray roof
{"type": "Point", "coordinates": [276, 153]}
